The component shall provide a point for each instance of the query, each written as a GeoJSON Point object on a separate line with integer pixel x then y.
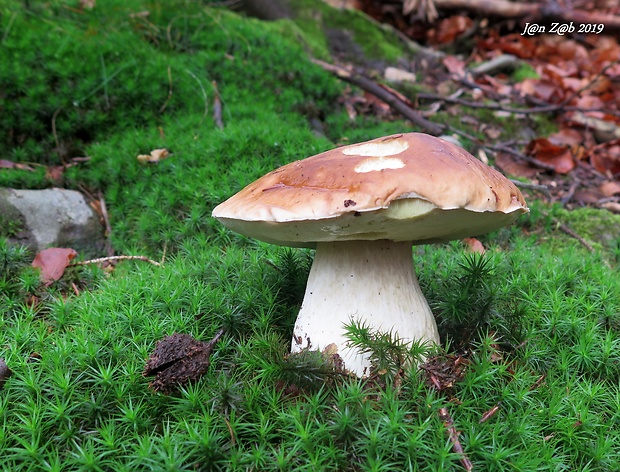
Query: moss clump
{"type": "Point", "coordinates": [358, 38]}
{"type": "Point", "coordinates": [69, 78]}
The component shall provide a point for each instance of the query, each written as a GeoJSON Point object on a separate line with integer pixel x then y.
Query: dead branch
{"type": "Point", "coordinates": [565, 229]}
{"type": "Point", "coordinates": [217, 106]}
{"type": "Point", "coordinates": [115, 258]}
{"type": "Point", "coordinates": [541, 188]}
{"type": "Point", "coordinates": [163, 107]}
{"type": "Point", "coordinates": [550, 108]}
{"type": "Point", "coordinates": [490, 413]}
{"type": "Point", "coordinates": [383, 94]}
{"type": "Point", "coordinates": [541, 11]}
{"type": "Point", "coordinates": [453, 434]}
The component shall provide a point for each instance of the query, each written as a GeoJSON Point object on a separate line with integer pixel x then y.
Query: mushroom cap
{"type": "Point", "coordinates": [404, 187]}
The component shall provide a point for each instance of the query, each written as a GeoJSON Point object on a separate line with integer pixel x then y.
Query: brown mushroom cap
{"type": "Point", "coordinates": [405, 187]}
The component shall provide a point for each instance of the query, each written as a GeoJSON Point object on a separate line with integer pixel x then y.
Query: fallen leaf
{"type": "Point", "coordinates": [154, 157]}
{"type": "Point", "coordinates": [454, 65]}
{"type": "Point", "coordinates": [566, 137]}
{"type": "Point", "coordinates": [53, 262]}
{"type": "Point", "coordinates": [449, 29]}
{"type": "Point", "coordinates": [611, 188]}
{"type": "Point", "coordinates": [510, 166]}
{"type": "Point", "coordinates": [612, 206]}
{"type": "Point", "coordinates": [55, 173]}
{"type": "Point", "coordinates": [587, 196]}
{"type": "Point", "coordinates": [474, 245]}
{"type": "Point", "coordinates": [560, 157]}
{"type": "Point", "coordinates": [606, 157]}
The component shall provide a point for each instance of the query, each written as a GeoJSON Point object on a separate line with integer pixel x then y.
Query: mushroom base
{"type": "Point", "coordinates": [369, 281]}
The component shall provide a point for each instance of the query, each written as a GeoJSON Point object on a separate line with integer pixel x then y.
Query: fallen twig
{"type": "Point", "coordinates": [490, 413]}
{"type": "Point", "coordinates": [571, 191]}
{"type": "Point", "coordinates": [383, 94]}
{"type": "Point", "coordinates": [548, 108]}
{"type": "Point", "coordinates": [565, 229]}
{"type": "Point", "coordinates": [56, 140]}
{"type": "Point", "coordinates": [115, 258]}
{"type": "Point", "coordinates": [217, 106]}
{"type": "Point", "coordinates": [448, 422]}
{"type": "Point", "coordinates": [533, 12]}
{"type": "Point", "coordinates": [163, 107]}
{"type": "Point", "coordinates": [542, 188]}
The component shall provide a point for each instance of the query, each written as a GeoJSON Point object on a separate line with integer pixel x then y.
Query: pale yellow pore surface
{"type": "Point", "coordinates": [402, 187]}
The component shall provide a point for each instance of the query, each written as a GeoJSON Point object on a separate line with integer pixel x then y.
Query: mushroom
{"type": "Point", "coordinates": [362, 207]}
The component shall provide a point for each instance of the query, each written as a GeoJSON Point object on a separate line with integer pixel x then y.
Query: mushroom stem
{"type": "Point", "coordinates": [369, 281]}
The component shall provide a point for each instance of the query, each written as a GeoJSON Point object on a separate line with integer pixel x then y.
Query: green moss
{"type": "Point", "coordinates": [541, 317]}
{"type": "Point", "coordinates": [524, 71]}
{"type": "Point", "coordinates": [360, 38]}
{"type": "Point", "coordinates": [599, 227]}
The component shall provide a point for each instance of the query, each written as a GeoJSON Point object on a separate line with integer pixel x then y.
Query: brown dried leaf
{"type": "Point", "coordinates": [55, 173]}
{"type": "Point", "coordinates": [177, 360]}
{"type": "Point", "coordinates": [560, 157]}
{"type": "Point", "coordinates": [510, 166]}
{"type": "Point", "coordinates": [154, 157]}
{"type": "Point", "coordinates": [611, 188]}
{"type": "Point", "coordinates": [606, 157]}
{"type": "Point", "coordinates": [449, 29]}
{"type": "Point", "coordinates": [454, 65]}
{"type": "Point", "coordinates": [566, 137]}
{"type": "Point", "coordinates": [53, 262]}
{"type": "Point", "coordinates": [474, 245]}
{"type": "Point", "coordinates": [611, 206]}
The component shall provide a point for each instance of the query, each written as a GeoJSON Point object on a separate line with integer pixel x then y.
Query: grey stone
{"type": "Point", "coordinates": [52, 218]}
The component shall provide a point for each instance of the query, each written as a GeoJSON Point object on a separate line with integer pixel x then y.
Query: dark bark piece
{"type": "Point", "coordinates": [385, 95]}
{"type": "Point", "coordinates": [177, 360]}
{"type": "Point", "coordinates": [5, 372]}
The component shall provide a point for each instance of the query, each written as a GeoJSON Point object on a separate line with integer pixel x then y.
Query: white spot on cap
{"type": "Point", "coordinates": [379, 163]}
{"type": "Point", "coordinates": [388, 147]}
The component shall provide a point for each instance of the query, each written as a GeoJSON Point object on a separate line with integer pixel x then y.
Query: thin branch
{"type": "Point", "coordinates": [542, 188]}
{"type": "Point", "coordinates": [204, 95]}
{"type": "Point", "coordinates": [541, 106]}
{"type": "Point", "coordinates": [383, 94]}
{"type": "Point", "coordinates": [571, 191]}
{"type": "Point", "coordinates": [217, 106]}
{"type": "Point", "coordinates": [115, 258]}
{"type": "Point", "coordinates": [453, 434]}
{"type": "Point", "coordinates": [163, 107]}
{"type": "Point", "coordinates": [58, 151]}
{"type": "Point", "coordinates": [522, 111]}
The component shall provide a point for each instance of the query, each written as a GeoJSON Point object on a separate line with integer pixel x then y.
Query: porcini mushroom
{"type": "Point", "coordinates": [362, 207]}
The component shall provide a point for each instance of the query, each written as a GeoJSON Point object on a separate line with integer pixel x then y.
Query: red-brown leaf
{"type": "Point", "coordinates": [474, 245]}
{"type": "Point", "coordinates": [560, 157]}
{"type": "Point", "coordinates": [53, 262]}
{"type": "Point", "coordinates": [606, 157]}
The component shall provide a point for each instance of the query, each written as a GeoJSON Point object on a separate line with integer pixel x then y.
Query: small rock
{"type": "Point", "coordinates": [395, 75]}
{"type": "Point", "coordinates": [53, 218]}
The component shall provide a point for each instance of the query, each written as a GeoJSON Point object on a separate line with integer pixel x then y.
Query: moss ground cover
{"type": "Point", "coordinates": [540, 312]}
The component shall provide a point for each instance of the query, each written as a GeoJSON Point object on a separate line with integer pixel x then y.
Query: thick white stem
{"type": "Point", "coordinates": [370, 281]}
